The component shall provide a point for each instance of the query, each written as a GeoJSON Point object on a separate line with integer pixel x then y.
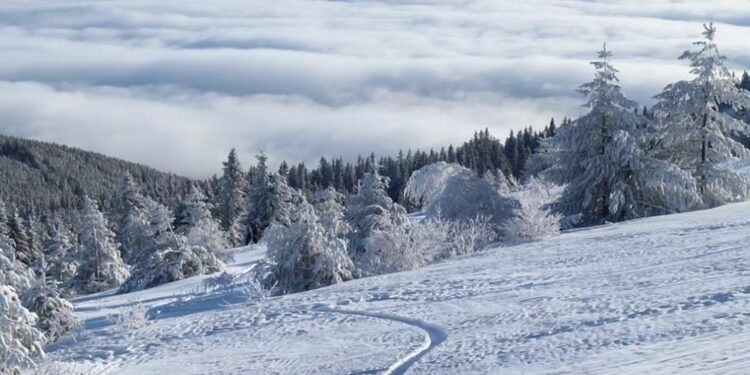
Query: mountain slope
{"type": "Point", "coordinates": [47, 176]}
{"type": "Point", "coordinates": [668, 294]}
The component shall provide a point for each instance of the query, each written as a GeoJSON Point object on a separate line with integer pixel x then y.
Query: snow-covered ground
{"type": "Point", "coordinates": [662, 295]}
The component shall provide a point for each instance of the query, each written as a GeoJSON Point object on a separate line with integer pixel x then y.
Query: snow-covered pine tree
{"type": "Point", "coordinates": [7, 245]}
{"type": "Point", "coordinates": [55, 313]}
{"type": "Point", "coordinates": [131, 219]}
{"type": "Point", "coordinates": [329, 206]}
{"type": "Point", "coordinates": [34, 231]}
{"type": "Point", "coordinates": [61, 262]}
{"type": "Point", "coordinates": [230, 198]}
{"type": "Point", "coordinates": [270, 200]}
{"type": "Point", "coordinates": [21, 340]}
{"type": "Point", "coordinates": [100, 265]}
{"type": "Point", "coordinates": [24, 250]}
{"type": "Point", "coordinates": [196, 223]}
{"type": "Point", "coordinates": [301, 257]}
{"type": "Point", "coordinates": [695, 134]}
{"type": "Point", "coordinates": [599, 157]}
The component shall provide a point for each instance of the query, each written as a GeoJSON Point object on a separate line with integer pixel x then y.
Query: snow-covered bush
{"type": "Point", "coordinates": [20, 340]}
{"type": "Point", "coordinates": [394, 247]}
{"type": "Point", "coordinates": [223, 281]}
{"type": "Point", "coordinates": [15, 274]}
{"type": "Point", "coordinates": [455, 193]}
{"type": "Point", "coordinates": [56, 316]}
{"type": "Point", "coordinates": [301, 257]}
{"type": "Point", "coordinates": [168, 265]}
{"type": "Point", "coordinates": [534, 220]}
{"type": "Point", "coordinates": [100, 266]}
{"type": "Point", "coordinates": [62, 263]}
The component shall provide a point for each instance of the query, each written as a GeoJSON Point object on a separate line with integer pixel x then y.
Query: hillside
{"type": "Point", "coordinates": [668, 294]}
{"type": "Point", "coordinates": [48, 176]}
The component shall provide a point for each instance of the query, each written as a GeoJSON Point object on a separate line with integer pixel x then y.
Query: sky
{"type": "Point", "coordinates": [176, 84]}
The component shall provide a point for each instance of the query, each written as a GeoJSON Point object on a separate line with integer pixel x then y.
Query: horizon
{"type": "Point", "coordinates": [305, 79]}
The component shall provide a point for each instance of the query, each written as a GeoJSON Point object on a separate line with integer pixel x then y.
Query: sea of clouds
{"type": "Point", "coordinates": [176, 84]}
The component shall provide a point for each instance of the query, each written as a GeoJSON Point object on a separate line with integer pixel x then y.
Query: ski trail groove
{"type": "Point", "coordinates": [435, 336]}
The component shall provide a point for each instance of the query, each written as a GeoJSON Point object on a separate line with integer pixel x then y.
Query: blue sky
{"type": "Point", "coordinates": [176, 84]}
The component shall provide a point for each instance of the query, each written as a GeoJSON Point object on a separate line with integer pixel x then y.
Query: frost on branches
{"type": "Point", "coordinates": [301, 257]}
{"type": "Point", "coordinates": [100, 266]}
{"type": "Point", "coordinates": [56, 315]}
{"type": "Point", "coordinates": [379, 228]}
{"type": "Point", "coordinates": [329, 206]}
{"type": "Point", "coordinates": [197, 225]}
{"type": "Point", "coordinates": [270, 201]}
{"type": "Point", "coordinates": [695, 133]}
{"type": "Point", "coordinates": [229, 200]}
{"type": "Point", "coordinates": [168, 256]}
{"type": "Point", "coordinates": [131, 219]}
{"type": "Point", "coordinates": [534, 220]}
{"type": "Point", "coordinates": [168, 265]}
{"type": "Point", "coordinates": [601, 160]}
{"type": "Point", "coordinates": [452, 192]}
{"type": "Point", "coordinates": [21, 340]}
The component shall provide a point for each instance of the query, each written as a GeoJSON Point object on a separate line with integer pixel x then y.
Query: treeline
{"type": "Point", "coordinates": [38, 178]}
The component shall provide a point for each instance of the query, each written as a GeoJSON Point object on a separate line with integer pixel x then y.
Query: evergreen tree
{"type": "Point", "coordinates": [24, 249]}
{"type": "Point", "coordinates": [131, 215]}
{"type": "Point", "coordinates": [301, 257]}
{"type": "Point", "coordinates": [231, 194]}
{"type": "Point", "coordinates": [196, 223]}
{"type": "Point", "coordinates": [270, 200]}
{"type": "Point", "coordinates": [100, 265]}
{"type": "Point", "coordinates": [608, 175]}
{"type": "Point", "coordinates": [695, 133]}
{"type": "Point", "coordinates": [21, 340]}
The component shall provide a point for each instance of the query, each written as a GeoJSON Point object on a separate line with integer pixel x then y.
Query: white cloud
{"type": "Point", "coordinates": [175, 85]}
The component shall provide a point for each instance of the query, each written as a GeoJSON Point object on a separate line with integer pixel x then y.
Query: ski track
{"type": "Point", "coordinates": [435, 336]}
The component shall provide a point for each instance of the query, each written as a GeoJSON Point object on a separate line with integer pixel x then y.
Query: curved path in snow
{"type": "Point", "coordinates": [435, 336]}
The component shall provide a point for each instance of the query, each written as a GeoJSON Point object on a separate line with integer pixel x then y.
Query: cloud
{"type": "Point", "coordinates": [175, 85]}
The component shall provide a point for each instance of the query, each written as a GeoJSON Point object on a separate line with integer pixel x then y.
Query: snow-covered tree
{"type": "Point", "coordinates": [100, 265]}
{"type": "Point", "coordinates": [20, 340]}
{"type": "Point", "coordinates": [62, 263]}
{"type": "Point", "coordinates": [329, 206]}
{"type": "Point", "coordinates": [229, 200]}
{"type": "Point", "coordinates": [168, 256]}
{"type": "Point", "coordinates": [301, 257]}
{"type": "Point", "coordinates": [24, 249]}
{"type": "Point", "coordinates": [269, 201]}
{"type": "Point", "coordinates": [600, 157]}
{"type": "Point", "coordinates": [196, 223]}
{"type": "Point", "coordinates": [131, 218]}
{"type": "Point", "coordinates": [452, 192]}
{"type": "Point", "coordinates": [534, 219]}
{"type": "Point", "coordinates": [371, 208]}
{"type": "Point", "coordinates": [55, 314]}
{"type": "Point", "coordinates": [695, 133]}
{"type": "Point", "coordinates": [172, 264]}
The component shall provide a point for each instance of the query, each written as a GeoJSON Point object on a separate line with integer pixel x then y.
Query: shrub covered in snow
{"type": "Point", "coordinates": [534, 219]}
{"type": "Point", "coordinates": [168, 265]}
{"type": "Point", "coordinates": [20, 340]}
{"type": "Point", "coordinates": [453, 192]}
{"type": "Point", "coordinates": [56, 317]}
{"type": "Point", "coordinates": [301, 257]}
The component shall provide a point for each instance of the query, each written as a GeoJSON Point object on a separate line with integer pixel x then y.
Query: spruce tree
{"type": "Point", "coordinates": [100, 265]}
{"type": "Point", "coordinates": [231, 193]}
{"type": "Point", "coordinates": [599, 157]}
{"type": "Point", "coordinates": [695, 133]}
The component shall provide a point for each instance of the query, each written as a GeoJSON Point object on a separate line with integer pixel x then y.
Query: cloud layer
{"type": "Point", "coordinates": [176, 84]}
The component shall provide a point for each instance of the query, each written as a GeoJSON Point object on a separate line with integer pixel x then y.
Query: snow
{"type": "Point", "coordinates": [668, 294]}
